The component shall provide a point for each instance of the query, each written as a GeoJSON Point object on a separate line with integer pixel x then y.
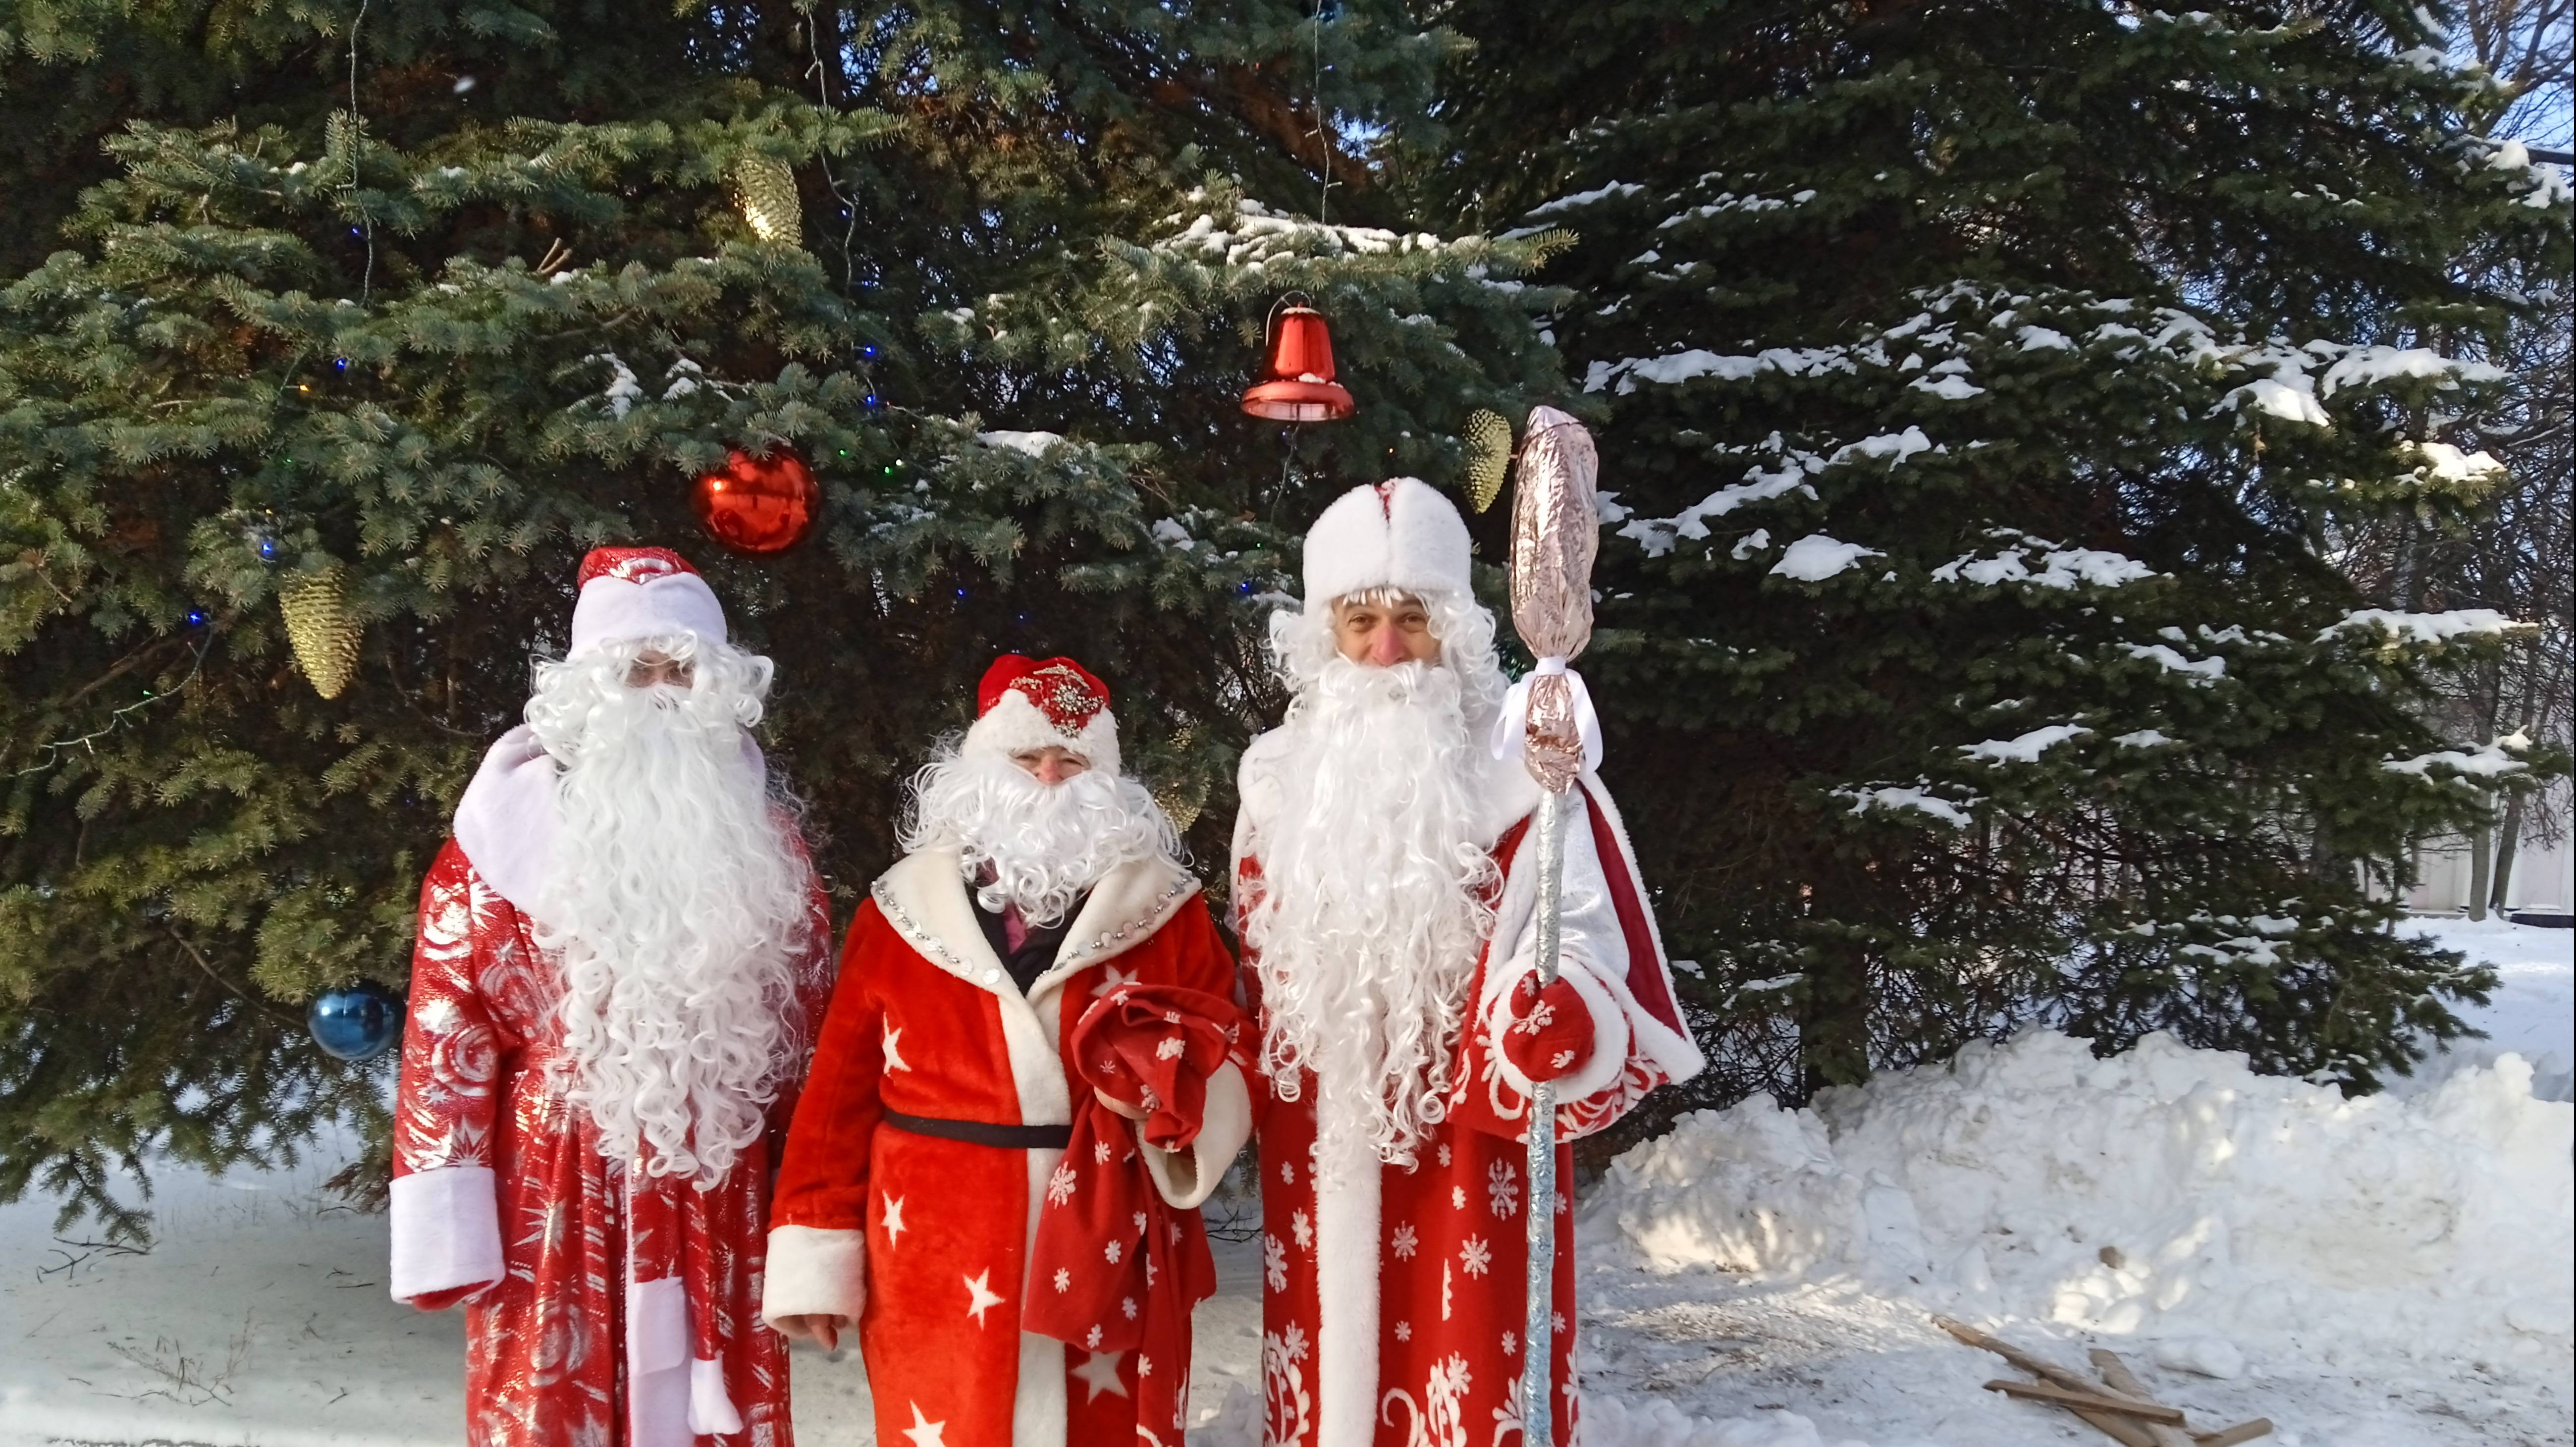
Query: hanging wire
{"type": "Point", "coordinates": [1323, 144]}
{"type": "Point", "coordinates": [366, 222]}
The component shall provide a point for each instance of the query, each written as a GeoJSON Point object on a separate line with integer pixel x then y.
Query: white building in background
{"type": "Point", "coordinates": [2544, 874]}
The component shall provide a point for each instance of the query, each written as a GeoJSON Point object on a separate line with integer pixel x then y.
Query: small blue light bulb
{"type": "Point", "coordinates": [268, 550]}
{"type": "Point", "coordinates": [196, 617]}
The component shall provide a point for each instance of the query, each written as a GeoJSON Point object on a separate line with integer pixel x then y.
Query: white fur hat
{"type": "Point", "coordinates": [1026, 704]}
{"type": "Point", "coordinates": [641, 593]}
{"type": "Point", "coordinates": [1398, 534]}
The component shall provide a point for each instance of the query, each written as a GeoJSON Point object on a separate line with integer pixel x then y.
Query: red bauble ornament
{"type": "Point", "coordinates": [1297, 376]}
{"type": "Point", "coordinates": [758, 505]}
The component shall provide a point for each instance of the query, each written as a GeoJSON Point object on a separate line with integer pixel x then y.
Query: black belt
{"type": "Point", "coordinates": [985, 1133]}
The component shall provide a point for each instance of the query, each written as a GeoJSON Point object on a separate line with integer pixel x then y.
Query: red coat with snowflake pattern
{"type": "Point", "coordinates": [1394, 1299]}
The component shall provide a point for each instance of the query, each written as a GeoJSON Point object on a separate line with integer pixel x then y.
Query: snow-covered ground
{"type": "Point", "coordinates": [2367, 1273]}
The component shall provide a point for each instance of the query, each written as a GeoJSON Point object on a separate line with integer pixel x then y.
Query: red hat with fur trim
{"type": "Point", "coordinates": [629, 593]}
{"type": "Point", "coordinates": [1026, 704]}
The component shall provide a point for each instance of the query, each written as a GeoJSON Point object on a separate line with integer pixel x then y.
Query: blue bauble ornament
{"type": "Point", "coordinates": [359, 1022]}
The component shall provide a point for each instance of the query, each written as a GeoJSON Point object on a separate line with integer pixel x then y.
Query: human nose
{"type": "Point", "coordinates": [1050, 771]}
{"type": "Point", "coordinates": [1386, 647]}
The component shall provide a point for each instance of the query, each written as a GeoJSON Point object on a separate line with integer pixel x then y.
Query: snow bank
{"type": "Point", "coordinates": [2167, 1193]}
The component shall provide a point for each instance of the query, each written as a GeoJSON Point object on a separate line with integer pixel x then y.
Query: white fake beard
{"type": "Point", "coordinates": [1373, 902]}
{"type": "Point", "coordinates": [1044, 843]}
{"type": "Point", "coordinates": [676, 907]}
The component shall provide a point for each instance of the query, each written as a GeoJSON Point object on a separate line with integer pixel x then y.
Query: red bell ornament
{"type": "Point", "coordinates": [758, 505]}
{"type": "Point", "coordinates": [1297, 376]}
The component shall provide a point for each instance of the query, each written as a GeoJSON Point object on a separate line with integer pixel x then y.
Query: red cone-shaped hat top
{"type": "Point", "coordinates": [1297, 379]}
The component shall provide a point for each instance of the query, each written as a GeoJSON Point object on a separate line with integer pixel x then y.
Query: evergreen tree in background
{"type": "Point", "coordinates": [392, 309]}
{"type": "Point", "coordinates": [1983, 382]}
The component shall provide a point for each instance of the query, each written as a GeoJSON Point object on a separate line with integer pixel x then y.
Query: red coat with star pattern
{"type": "Point", "coordinates": [1394, 1298]}
{"type": "Point", "coordinates": [602, 1310]}
{"type": "Point", "coordinates": [925, 1240]}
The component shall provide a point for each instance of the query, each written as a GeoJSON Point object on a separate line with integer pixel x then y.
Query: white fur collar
{"type": "Point", "coordinates": [505, 822]}
{"type": "Point", "coordinates": [924, 897]}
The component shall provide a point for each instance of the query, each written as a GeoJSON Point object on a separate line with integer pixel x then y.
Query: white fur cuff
{"type": "Point", "coordinates": [1187, 1177]}
{"type": "Point", "coordinates": [446, 1231]}
{"type": "Point", "coordinates": [814, 1272]}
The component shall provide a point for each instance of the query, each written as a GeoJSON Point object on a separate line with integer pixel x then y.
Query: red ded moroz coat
{"type": "Point", "coordinates": [1394, 1298]}
{"type": "Point", "coordinates": [603, 1308]}
{"type": "Point", "coordinates": [925, 1240]}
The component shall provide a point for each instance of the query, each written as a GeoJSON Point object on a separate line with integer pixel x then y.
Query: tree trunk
{"type": "Point", "coordinates": [2481, 865]}
{"type": "Point", "coordinates": [2500, 893]}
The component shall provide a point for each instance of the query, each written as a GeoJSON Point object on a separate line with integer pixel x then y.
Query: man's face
{"type": "Point", "coordinates": [1385, 634]}
{"type": "Point", "coordinates": [655, 667]}
{"type": "Point", "coordinates": [1051, 765]}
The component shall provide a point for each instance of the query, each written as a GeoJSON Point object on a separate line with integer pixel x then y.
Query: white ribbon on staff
{"type": "Point", "coordinates": [1511, 731]}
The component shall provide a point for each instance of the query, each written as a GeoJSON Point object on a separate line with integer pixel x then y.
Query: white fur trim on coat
{"type": "Point", "coordinates": [1349, 1212]}
{"type": "Point", "coordinates": [612, 609]}
{"type": "Point", "coordinates": [1014, 725]}
{"type": "Point", "coordinates": [446, 1231]}
{"type": "Point", "coordinates": [1398, 534]}
{"type": "Point", "coordinates": [814, 1272]}
{"type": "Point", "coordinates": [1185, 1178]}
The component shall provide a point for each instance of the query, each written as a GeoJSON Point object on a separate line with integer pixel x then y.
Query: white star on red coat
{"type": "Point", "coordinates": [1111, 977]}
{"type": "Point", "coordinates": [1100, 1373]}
{"type": "Point", "coordinates": [893, 1218]}
{"type": "Point", "coordinates": [893, 1052]}
{"type": "Point", "coordinates": [923, 1431]}
{"type": "Point", "coordinates": [979, 1296]}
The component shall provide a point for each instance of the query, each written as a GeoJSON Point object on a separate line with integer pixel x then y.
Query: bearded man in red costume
{"type": "Point", "coordinates": [1388, 917]}
{"type": "Point", "coordinates": [927, 1170]}
{"type": "Point", "coordinates": [619, 953]}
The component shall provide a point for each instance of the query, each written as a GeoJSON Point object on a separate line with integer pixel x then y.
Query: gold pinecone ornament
{"type": "Point", "coordinates": [321, 628]}
{"type": "Point", "coordinates": [1489, 456]}
{"type": "Point", "coordinates": [1182, 801]}
{"type": "Point", "coordinates": [765, 188]}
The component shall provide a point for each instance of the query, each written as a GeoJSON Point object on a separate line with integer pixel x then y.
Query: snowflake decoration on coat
{"type": "Point", "coordinates": [1503, 1189]}
{"type": "Point", "coordinates": [1406, 1242]}
{"type": "Point", "coordinates": [1274, 1262]}
{"type": "Point", "coordinates": [1474, 1256]}
{"type": "Point", "coordinates": [1060, 1187]}
{"type": "Point", "coordinates": [1304, 1230]}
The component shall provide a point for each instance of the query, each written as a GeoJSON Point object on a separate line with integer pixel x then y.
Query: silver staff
{"type": "Point", "coordinates": [1555, 537]}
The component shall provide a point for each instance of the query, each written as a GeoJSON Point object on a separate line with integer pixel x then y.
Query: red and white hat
{"type": "Point", "coordinates": [1400, 533]}
{"type": "Point", "coordinates": [1025, 704]}
{"type": "Point", "coordinates": [631, 593]}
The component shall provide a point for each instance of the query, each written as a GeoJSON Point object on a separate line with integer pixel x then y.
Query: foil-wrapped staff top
{"type": "Point", "coordinates": [1556, 535]}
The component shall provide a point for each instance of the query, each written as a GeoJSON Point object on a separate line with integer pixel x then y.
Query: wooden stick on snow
{"type": "Point", "coordinates": [2119, 1429]}
{"type": "Point", "coordinates": [2116, 1372]}
{"type": "Point", "coordinates": [2230, 1436]}
{"type": "Point", "coordinates": [2094, 1401]}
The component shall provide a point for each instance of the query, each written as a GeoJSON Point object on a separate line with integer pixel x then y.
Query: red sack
{"type": "Point", "coordinates": [1116, 1268]}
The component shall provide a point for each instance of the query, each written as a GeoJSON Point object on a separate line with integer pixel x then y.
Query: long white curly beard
{"type": "Point", "coordinates": [1373, 901]}
{"type": "Point", "coordinates": [676, 907]}
{"type": "Point", "coordinates": [1042, 844]}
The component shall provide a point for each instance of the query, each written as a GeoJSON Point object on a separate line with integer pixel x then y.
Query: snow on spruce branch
{"type": "Point", "coordinates": [2425, 628]}
{"type": "Point", "coordinates": [1916, 797]}
{"type": "Point", "coordinates": [2061, 568]}
{"type": "Point", "coordinates": [2487, 761]}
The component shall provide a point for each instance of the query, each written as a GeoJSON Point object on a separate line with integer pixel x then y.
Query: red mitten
{"type": "Point", "coordinates": [1152, 1048]}
{"type": "Point", "coordinates": [1549, 1032]}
